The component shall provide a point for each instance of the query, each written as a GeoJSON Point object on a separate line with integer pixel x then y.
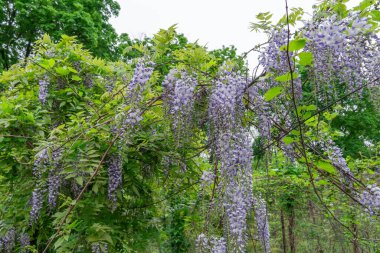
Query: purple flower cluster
{"type": "Point", "coordinates": [219, 245]}
{"type": "Point", "coordinates": [54, 179]}
{"type": "Point", "coordinates": [370, 198]}
{"type": "Point", "coordinates": [7, 242]}
{"type": "Point", "coordinates": [115, 172]}
{"type": "Point", "coordinates": [54, 182]}
{"type": "Point", "coordinates": [43, 85]}
{"type": "Point", "coordinates": [207, 177]}
{"type": "Point", "coordinates": [132, 118]}
{"type": "Point", "coordinates": [262, 222]}
{"type": "Point", "coordinates": [236, 169]}
{"type": "Point", "coordinates": [88, 80]}
{"type": "Point", "coordinates": [261, 109]}
{"type": "Point", "coordinates": [336, 157]}
{"type": "Point", "coordinates": [36, 203]}
{"type": "Point", "coordinates": [233, 149]}
{"type": "Point", "coordinates": [274, 60]}
{"type": "Point", "coordinates": [136, 86]}
{"type": "Point", "coordinates": [24, 242]}
{"type": "Point", "coordinates": [343, 51]}
{"type": "Point", "coordinates": [212, 245]}
{"type": "Point", "coordinates": [99, 247]}
{"type": "Point", "coordinates": [41, 161]}
{"type": "Point", "coordinates": [179, 89]}
{"type": "Point", "coordinates": [226, 101]}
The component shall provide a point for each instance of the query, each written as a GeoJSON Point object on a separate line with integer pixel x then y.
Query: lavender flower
{"type": "Point", "coordinates": [99, 248]}
{"type": "Point", "coordinates": [212, 245]}
{"type": "Point", "coordinates": [133, 117]}
{"type": "Point", "coordinates": [370, 198]}
{"type": "Point", "coordinates": [335, 155]}
{"type": "Point", "coordinates": [202, 243]}
{"type": "Point", "coordinates": [341, 52]}
{"type": "Point", "coordinates": [41, 160]}
{"type": "Point", "coordinates": [36, 202]}
{"type": "Point", "coordinates": [9, 240]}
{"type": "Point", "coordinates": [114, 176]}
{"type": "Point", "coordinates": [179, 89]}
{"type": "Point", "coordinates": [43, 85]}
{"type": "Point", "coordinates": [225, 103]}
{"type": "Point", "coordinates": [24, 242]}
{"type": "Point", "coordinates": [136, 86]}
{"type": "Point", "coordinates": [218, 245]}
{"type": "Point", "coordinates": [262, 222]}
{"type": "Point", "coordinates": [207, 177]}
{"type": "Point", "coordinates": [54, 182]}
{"type": "Point", "coordinates": [88, 80]}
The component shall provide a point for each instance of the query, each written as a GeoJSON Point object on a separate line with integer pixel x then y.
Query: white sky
{"type": "Point", "coordinates": [213, 23]}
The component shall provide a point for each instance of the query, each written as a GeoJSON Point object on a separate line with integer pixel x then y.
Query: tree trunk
{"type": "Point", "coordinates": [355, 244]}
{"type": "Point", "coordinates": [283, 231]}
{"type": "Point", "coordinates": [291, 227]}
{"type": "Point", "coordinates": [312, 214]}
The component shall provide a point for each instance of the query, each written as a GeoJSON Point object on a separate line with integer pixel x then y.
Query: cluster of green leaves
{"type": "Point", "coordinates": [22, 22]}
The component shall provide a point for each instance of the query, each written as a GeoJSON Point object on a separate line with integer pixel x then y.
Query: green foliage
{"type": "Point", "coordinates": [24, 21]}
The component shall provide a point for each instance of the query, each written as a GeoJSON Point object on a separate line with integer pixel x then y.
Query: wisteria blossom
{"type": "Point", "coordinates": [115, 172]}
{"type": "Point", "coordinates": [343, 50]}
{"type": "Point", "coordinates": [24, 242]}
{"type": "Point", "coordinates": [179, 97]}
{"type": "Point", "coordinates": [370, 198]}
{"type": "Point", "coordinates": [43, 85]}
{"type": "Point", "coordinates": [36, 203]}
{"type": "Point", "coordinates": [262, 222]}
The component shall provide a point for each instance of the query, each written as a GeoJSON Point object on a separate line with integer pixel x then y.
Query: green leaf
{"type": "Point", "coordinates": [79, 180]}
{"type": "Point", "coordinates": [76, 78]}
{"type": "Point", "coordinates": [63, 71]}
{"type": "Point", "coordinates": [298, 44]}
{"type": "Point", "coordinates": [273, 92]}
{"type": "Point", "coordinates": [326, 166]}
{"type": "Point", "coordinates": [288, 140]}
{"type": "Point", "coordinates": [306, 58]}
{"type": "Point", "coordinates": [286, 77]}
{"type": "Point", "coordinates": [375, 15]}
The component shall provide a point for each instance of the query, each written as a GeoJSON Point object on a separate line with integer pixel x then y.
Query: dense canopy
{"type": "Point", "coordinates": [176, 148]}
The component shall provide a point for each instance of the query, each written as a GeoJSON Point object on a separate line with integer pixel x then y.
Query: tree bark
{"type": "Point", "coordinates": [355, 244]}
{"type": "Point", "coordinates": [291, 227]}
{"type": "Point", "coordinates": [283, 231]}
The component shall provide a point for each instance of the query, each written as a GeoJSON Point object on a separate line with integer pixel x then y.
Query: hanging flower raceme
{"type": "Point", "coordinates": [43, 86]}
{"type": "Point", "coordinates": [24, 242]}
{"type": "Point", "coordinates": [178, 96]}
{"type": "Point", "coordinates": [115, 172]}
{"type": "Point", "coordinates": [226, 101]}
{"type": "Point", "coordinates": [261, 108]}
{"type": "Point", "coordinates": [54, 179]}
{"type": "Point", "coordinates": [36, 203]}
{"type": "Point", "coordinates": [40, 163]}
{"type": "Point", "coordinates": [339, 162]}
{"type": "Point", "coordinates": [232, 147]}
{"type": "Point", "coordinates": [143, 72]}
{"type": "Point", "coordinates": [7, 242]}
{"type": "Point", "coordinates": [236, 170]}
{"type": "Point", "coordinates": [212, 245]}
{"type": "Point", "coordinates": [344, 51]}
{"type": "Point", "coordinates": [134, 95]}
{"type": "Point", "coordinates": [262, 222]}
{"type": "Point", "coordinates": [99, 248]}
{"type": "Point", "coordinates": [370, 198]}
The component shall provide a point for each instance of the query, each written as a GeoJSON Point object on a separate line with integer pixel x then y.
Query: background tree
{"type": "Point", "coordinates": [24, 21]}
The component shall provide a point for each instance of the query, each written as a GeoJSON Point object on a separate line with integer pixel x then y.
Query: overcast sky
{"type": "Point", "coordinates": [213, 23]}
